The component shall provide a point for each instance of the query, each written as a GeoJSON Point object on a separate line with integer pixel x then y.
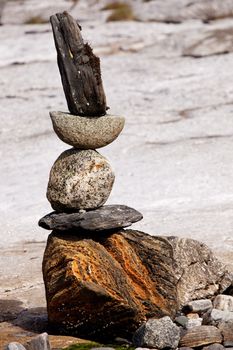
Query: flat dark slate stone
{"type": "Point", "coordinates": [104, 218]}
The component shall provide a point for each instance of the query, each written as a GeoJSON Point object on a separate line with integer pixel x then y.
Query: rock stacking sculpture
{"type": "Point", "coordinates": [81, 179]}
{"type": "Point", "coordinates": [103, 281]}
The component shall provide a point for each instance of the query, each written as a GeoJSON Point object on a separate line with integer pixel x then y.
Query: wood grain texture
{"type": "Point", "coordinates": [79, 68]}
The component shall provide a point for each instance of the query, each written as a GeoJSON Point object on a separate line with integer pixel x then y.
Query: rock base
{"type": "Point", "coordinates": [105, 286]}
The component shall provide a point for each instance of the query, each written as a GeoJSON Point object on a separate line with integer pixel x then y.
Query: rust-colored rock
{"type": "Point", "coordinates": [104, 286]}
{"type": "Point", "coordinates": [201, 335]}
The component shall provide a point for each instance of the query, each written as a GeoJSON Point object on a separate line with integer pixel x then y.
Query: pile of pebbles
{"type": "Point", "coordinates": [203, 324]}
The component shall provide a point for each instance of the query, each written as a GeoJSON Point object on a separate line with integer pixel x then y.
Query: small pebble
{"type": "Point", "coordinates": [221, 316]}
{"type": "Point", "coordinates": [192, 316]}
{"type": "Point", "coordinates": [223, 302]}
{"type": "Point", "coordinates": [200, 306]}
{"type": "Point", "coordinates": [195, 322]}
{"type": "Point", "coordinates": [41, 342]}
{"type": "Point", "coordinates": [181, 320]}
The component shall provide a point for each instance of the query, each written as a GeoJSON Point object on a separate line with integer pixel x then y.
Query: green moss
{"type": "Point", "coordinates": [83, 346]}
{"type": "Point", "coordinates": [88, 346]}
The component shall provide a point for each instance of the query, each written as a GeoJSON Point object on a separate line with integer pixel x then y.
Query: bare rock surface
{"type": "Point", "coordinates": [218, 316]}
{"type": "Point", "coordinates": [104, 218]}
{"type": "Point", "coordinates": [121, 279]}
{"type": "Point", "coordinates": [223, 302]}
{"type": "Point", "coordinates": [211, 42]}
{"type": "Point", "coordinates": [214, 347]}
{"type": "Point", "coordinates": [79, 179]}
{"type": "Point", "coordinates": [178, 132]}
{"type": "Point", "coordinates": [157, 334]}
{"type": "Point", "coordinates": [196, 265]}
{"type": "Point", "coordinates": [194, 322]}
{"type": "Point", "coordinates": [199, 336]}
{"type": "Point", "coordinates": [85, 132]}
{"type": "Point", "coordinates": [227, 332]}
{"type": "Point", "coordinates": [200, 306]}
{"type": "Point", "coordinates": [159, 10]}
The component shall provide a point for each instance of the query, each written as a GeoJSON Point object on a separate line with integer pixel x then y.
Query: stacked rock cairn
{"type": "Point", "coordinates": [81, 179]}
{"type": "Point", "coordinates": [101, 280]}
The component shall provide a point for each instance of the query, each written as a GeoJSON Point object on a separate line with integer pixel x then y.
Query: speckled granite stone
{"type": "Point", "coordinates": [86, 132]}
{"type": "Point", "coordinates": [79, 179]}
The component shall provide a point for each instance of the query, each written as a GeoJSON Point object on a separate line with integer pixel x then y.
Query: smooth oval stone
{"type": "Point", "coordinates": [87, 132]}
{"type": "Point", "coordinates": [79, 179]}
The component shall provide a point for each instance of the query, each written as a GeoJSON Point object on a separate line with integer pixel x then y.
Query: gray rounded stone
{"type": "Point", "coordinates": [79, 179]}
{"type": "Point", "coordinates": [87, 132]}
{"type": "Point", "coordinates": [157, 333]}
{"type": "Point", "coordinates": [40, 342]}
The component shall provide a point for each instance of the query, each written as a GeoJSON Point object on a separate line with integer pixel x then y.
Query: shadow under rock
{"type": "Point", "coordinates": [30, 319]}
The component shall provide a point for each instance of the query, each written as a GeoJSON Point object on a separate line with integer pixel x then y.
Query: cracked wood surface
{"type": "Point", "coordinates": [79, 68]}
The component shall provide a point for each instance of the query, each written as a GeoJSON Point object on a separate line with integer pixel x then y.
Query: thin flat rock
{"type": "Point", "coordinates": [104, 218]}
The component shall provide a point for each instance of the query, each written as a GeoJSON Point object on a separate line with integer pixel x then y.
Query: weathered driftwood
{"type": "Point", "coordinates": [104, 218]}
{"type": "Point", "coordinates": [79, 68]}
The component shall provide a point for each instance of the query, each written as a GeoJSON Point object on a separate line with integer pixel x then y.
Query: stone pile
{"type": "Point", "coordinates": [202, 324]}
{"type": "Point", "coordinates": [80, 183]}
{"type": "Point", "coordinates": [40, 342]}
{"type": "Point", "coordinates": [103, 285]}
{"type": "Point", "coordinates": [101, 280]}
{"type": "Point", "coordinates": [81, 179]}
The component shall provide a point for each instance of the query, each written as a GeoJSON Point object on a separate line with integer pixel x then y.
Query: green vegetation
{"type": "Point", "coordinates": [83, 346]}
{"type": "Point", "coordinates": [88, 346]}
{"type": "Point", "coordinates": [121, 11]}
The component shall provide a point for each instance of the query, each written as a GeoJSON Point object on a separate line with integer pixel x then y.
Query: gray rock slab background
{"type": "Point", "coordinates": [173, 161]}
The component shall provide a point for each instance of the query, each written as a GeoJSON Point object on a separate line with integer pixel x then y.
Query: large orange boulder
{"type": "Point", "coordinates": [105, 285]}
